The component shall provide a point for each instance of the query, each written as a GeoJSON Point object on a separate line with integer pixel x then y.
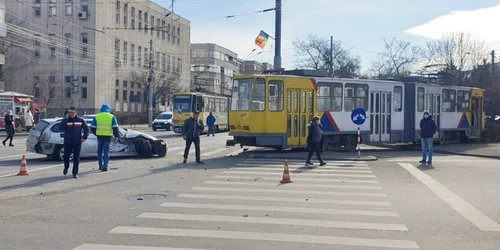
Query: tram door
{"type": "Point", "coordinates": [433, 104]}
{"type": "Point", "coordinates": [380, 116]}
{"type": "Point", "coordinates": [476, 120]}
{"type": "Point", "coordinates": [298, 112]}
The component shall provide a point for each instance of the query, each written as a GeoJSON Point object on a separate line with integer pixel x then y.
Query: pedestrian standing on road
{"type": "Point", "coordinates": [211, 124]}
{"type": "Point", "coordinates": [427, 131]}
{"type": "Point", "coordinates": [104, 126]}
{"type": "Point", "coordinates": [76, 132]}
{"type": "Point", "coordinates": [314, 140]}
{"type": "Point", "coordinates": [191, 133]}
{"type": "Point", "coordinates": [28, 121]}
{"type": "Point", "coordinates": [9, 128]}
{"type": "Point", "coordinates": [36, 118]}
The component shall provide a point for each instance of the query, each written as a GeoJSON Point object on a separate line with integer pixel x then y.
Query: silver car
{"type": "Point", "coordinates": [46, 138]}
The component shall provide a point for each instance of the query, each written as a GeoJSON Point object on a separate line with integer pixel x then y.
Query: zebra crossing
{"type": "Point", "coordinates": [205, 151]}
{"type": "Point", "coordinates": [343, 196]}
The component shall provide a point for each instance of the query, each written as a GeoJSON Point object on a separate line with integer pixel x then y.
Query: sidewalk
{"type": "Point", "coordinates": [302, 155]}
{"type": "Point", "coordinates": [485, 150]}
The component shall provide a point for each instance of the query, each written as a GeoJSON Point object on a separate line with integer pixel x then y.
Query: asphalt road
{"type": "Point", "coordinates": [232, 203]}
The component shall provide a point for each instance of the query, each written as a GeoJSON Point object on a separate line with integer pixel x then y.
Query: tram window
{"type": "Point", "coordinates": [303, 102]}
{"type": "Point", "coordinates": [337, 97]}
{"type": "Point", "coordinates": [420, 99]}
{"type": "Point", "coordinates": [398, 99]}
{"type": "Point", "coordinates": [324, 98]}
{"type": "Point", "coordinates": [356, 96]}
{"type": "Point", "coordinates": [311, 102]}
{"type": "Point", "coordinates": [217, 105]}
{"type": "Point", "coordinates": [276, 93]}
{"type": "Point", "coordinates": [242, 93]}
{"type": "Point", "coordinates": [463, 101]}
{"type": "Point", "coordinates": [296, 101]}
{"type": "Point", "coordinates": [259, 95]}
{"type": "Point", "coordinates": [449, 101]}
{"type": "Point", "coordinates": [289, 101]}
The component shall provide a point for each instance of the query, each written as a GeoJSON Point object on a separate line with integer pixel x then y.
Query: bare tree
{"type": "Point", "coordinates": [165, 84]}
{"type": "Point", "coordinates": [315, 53]}
{"type": "Point", "coordinates": [454, 55]}
{"type": "Point", "coordinates": [398, 59]}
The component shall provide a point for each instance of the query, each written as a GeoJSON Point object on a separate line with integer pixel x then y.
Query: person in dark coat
{"type": "Point", "coordinates": [191, 133]}
{"type": "Point", "coordinates": [76, 132]}
{"type": "Point", "coordinates": [211, 124]}
{"type": "Point", "coordinates": [9, 128]}
{"type": "Point", "coordinates": [36, 117]}
{"type": "Point", "coordinates": [314, 141]}
{"type": "Point", "coordinates": [427, 131]}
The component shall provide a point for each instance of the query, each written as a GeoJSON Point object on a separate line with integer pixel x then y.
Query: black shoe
{"type": "Point", "coordinates": [199, 162]}
{"type": "Point", "coordinates": [309, 163]}
{"type": "Point", "coordinates": [422, 161]}
{"type": "Point", "coordinates": [429, 162]}
{"type": "Point", "coordinates": [3, 142]}
{"type": "Point", "coordinates": [104, 170]}
{"type": "Point", "coordinates": [322, 164]}
{"type": "Point", "coordinates": [11, 145]}
{"type": "Point", "coordinates": [184, 161]}
{"type": "Point", "coordinates": [75, 176]}
{"type": "Point", "coordinates": [65, 171]}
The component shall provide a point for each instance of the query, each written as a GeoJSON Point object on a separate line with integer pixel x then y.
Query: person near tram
{"type": "Point", "coordinates": [211, 124]}
{"type": "Point", "coordinates": [427, 131]}
{"type": "Point", "coordinates": [314, 139]}
{"type": "Point", "coordinates": [9, 128]}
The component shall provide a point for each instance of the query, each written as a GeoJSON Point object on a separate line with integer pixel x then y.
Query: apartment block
{"type": "Point", "coordinates": [86, 53]}
{"type": "Point", "coordinates": [249, 67]}
{"type": "Point", "coordinates": [213, 68]}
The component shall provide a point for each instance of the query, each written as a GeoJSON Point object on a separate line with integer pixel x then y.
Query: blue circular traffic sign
{"type": "Point", "coordinates": [358, 116]}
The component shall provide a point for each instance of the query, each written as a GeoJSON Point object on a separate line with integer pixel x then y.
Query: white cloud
{"type": "Point", "coordinates": [483, 23]}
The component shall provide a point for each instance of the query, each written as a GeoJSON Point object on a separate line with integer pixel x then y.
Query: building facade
{"type": "Point", "coordinates": [249, 67]}
{"type": "Point", "coordinates": [213, 68]}
{"type": "Point", "coordinates": [86, 53]}
{"type": "Point", "coordinates": [3, 34]}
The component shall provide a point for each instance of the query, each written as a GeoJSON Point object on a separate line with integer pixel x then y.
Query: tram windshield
{"type": "Point", "coordinates": [182, 103]}
{"type": "Point", "coordinates": [242, 94]}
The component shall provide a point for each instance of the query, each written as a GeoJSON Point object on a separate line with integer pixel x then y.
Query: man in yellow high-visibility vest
{"type": "Point", "coordinates": [104, 126]}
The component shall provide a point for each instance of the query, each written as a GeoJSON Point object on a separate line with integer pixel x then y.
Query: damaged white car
{"type": "Point", "coordinates": [46, 138]}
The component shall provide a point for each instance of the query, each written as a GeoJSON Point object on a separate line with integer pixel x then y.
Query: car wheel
{"type": "Point", "coordinates": [160, 148]}
{"type": "Point", "coordinates": [59, 154]}
{"type": "Point", "coordinates": [154, 128]}
{"type": "Point", "coordinates": [168, 127]}
{"type": "Point", "coordinates": [145, 149]}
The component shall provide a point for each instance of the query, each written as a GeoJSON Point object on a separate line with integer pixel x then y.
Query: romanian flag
{"type": "Point", "coordinates": [261, 39]}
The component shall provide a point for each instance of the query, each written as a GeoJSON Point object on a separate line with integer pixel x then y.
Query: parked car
{"type": "Point", "coordinates": [163, 121]}
{"type": "Point", "coordinates": [46, 138]}
{"type": "Point", "coordinates": [88, 118]}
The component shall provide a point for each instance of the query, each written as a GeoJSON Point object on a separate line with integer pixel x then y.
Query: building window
{"type": "Point", "coordinates": [52, 1]}
{"type": "Point", "coordinates": [84, 80]}
{"type": "Point", "coordinates": [37, 12]}
{"type": "Point", "coordinates": [125, 97]}
{"type": "Point", "coordinates": [125, 21]}
{"type": "Point", "coordinates": [84, 8]}
{"type": "Point", "coordinates": [125, 48]}
{"type": "Point", "coordinates": [158, 30]}
{"type": "Point", "coordinates": [132, 54]}
{"type": "Point", "coordinates": [163, 62]}
{"type": "Point", "coordinates": [38, 1]}
{"type": "Point", "coordinates": [117, 50]}
{"type": "Point", "coordinates": [117, 12]}
{"type": "Point", "coordinates": [85, 38]}
{"type": "Point", "coordinates": [69, 10]}
{"type": "Point", "coordinates": [145, 22]}
{"type": "Point", "coordinates": [356, 96]}
{"type": "Point", "coordinates": [68, 92]}
{"type": "Point", "coordinates": [145, 57]}
{"type": "Point", "coordinates": [163, 30]}
{"type": "Point", "coordinates": [157, 63]}
{"type": "Point", "coordinates": [275, 95]}
{"type": "Point", "coordinates": [37, 52]}
{"type": "Point", "coordinates": [449, 101]}
{"type": "Point", "coordinates": [173, 34]}
{"type": "Point", "coordinates": [84, 92]}
{"type": "Point", "coordinates": [168, 63]}
{"type": "Point", "coordinates": [125, 84]}
{"type": "Point", "coordinates": [152, 25]}
{"type": "Point", "coordinates": [125, 14]}
{"type": "Point", "coordinates": [139, 94]}
{"type": "Point", "coordinates": [139, 54]}
{"type": "Point", "coordinates": [67, 38]}
{"type": "Point", "coordinates": [140, 20]}
{"type": "Point", "coordinates": [168, 32]}
{"type": "Point", "coordinates": [117, 94]}
{"type": "Point", "coordinates": [463, 101]}
{"type": "Point", "coordinates": [178, 64]}
{"type": "Point", "coordinates": [398, 98]}
{"type": "Point", "coordinates": [52, 52]}
{"type": "Point", "coordinates": [84, 51]}
{"type": "Point", "coordinates": [53, 10]}
{"type": "Point", "coordinates": [132, 84]}
{"type": "Point", "coordinates": [178, 35]}
{"type": "Point", "coordinates": [117, 83]}
{"type": "Point", "coordinates": [67, 79]}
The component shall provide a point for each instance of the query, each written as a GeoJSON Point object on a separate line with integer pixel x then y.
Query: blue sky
{"type": "Point", "coordinates": [362, 24]}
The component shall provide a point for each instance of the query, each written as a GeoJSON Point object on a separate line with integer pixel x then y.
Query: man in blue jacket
{"type": "Point", "coordinates": [191, 133]}
{"type": "Point", "coordinates": [211, 124]}
{"type": "Point", "coordinates": [76, 132]}
{"type": "Point", "coordinates": [427, 131]}
{"type": "Point", "coordinates": [104, 126]}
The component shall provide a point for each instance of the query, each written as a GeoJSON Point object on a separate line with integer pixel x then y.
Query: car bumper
{"type": "Point", "coordinates": [162, 125]}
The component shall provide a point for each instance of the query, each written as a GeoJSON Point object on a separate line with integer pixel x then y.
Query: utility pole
{"type": "Point", "coordinates": [150, 83]}
{"type": "Point", "coordinates": [331, 56]}
{"type": "Point", "coordinates": [277, 36]}
{"type": "Point", "coordinates": [493, 63]}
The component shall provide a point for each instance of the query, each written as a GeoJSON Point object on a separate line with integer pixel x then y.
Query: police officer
{"type": "Point", "coordinates": [191, 133]}
{"type": "Point", "coordinates": [104, 126]}
{"type": "Point", "coordinates": [76, 132]}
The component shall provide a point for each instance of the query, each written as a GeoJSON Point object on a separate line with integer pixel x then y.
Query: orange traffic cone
{"type": "Point", "coordinates": [286, 174]}
{"type": "Point", "coordinates": [24, 167]}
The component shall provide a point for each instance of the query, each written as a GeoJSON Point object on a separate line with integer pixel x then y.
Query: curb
{"type": "Point", "coordinates": [466, 154]}
{"type": "Point", "coordinates": [250, 156]}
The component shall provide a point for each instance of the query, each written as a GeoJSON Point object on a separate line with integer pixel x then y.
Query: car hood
{"type": "Point", "coordinates": [133, 134]}
{"type": "Point", "coordinates": [162, 120]}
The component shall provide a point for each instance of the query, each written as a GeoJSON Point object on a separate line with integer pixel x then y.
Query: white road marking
{"type": "Point", "coordinates": [298, 179]}
{"type": "Point", "coordinates": [172, 149]}
{"type": "Point", "coordinates": [301, 174]}
{"type": "Point", "coordinates": [304, 170]}
{"type": "Point", "coordinates": [281, 166]}
{"type": "Point", "coordinates": [276, 221]}
{"type": "Point", "coordinates": [283, 209]}
{"type": "Point", "coordinates": [34, 170]}
{"type": "Point", "coordinates": [219, 234]}
{"type": "Point", "coordinates": [218, 150]}
{"type": "Point", "coordinates": [285, 199]}
{"type": "Point", "coordinates": [118, 247]}
{"type": "Point", "coordinates": [300, 162]}
{"type": "Point", "coordinates": [476, 217]}
{"type": "Point", "coordinates": [11, 156]}
{"type": "Point", "coordinates": [270, 184]}
{"type": "Point", "coordinates": [281, 191]}
{"type": "Point", "coordinates": [236, 152]}
{"type": "Point", "coordinates": [191, 151]}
